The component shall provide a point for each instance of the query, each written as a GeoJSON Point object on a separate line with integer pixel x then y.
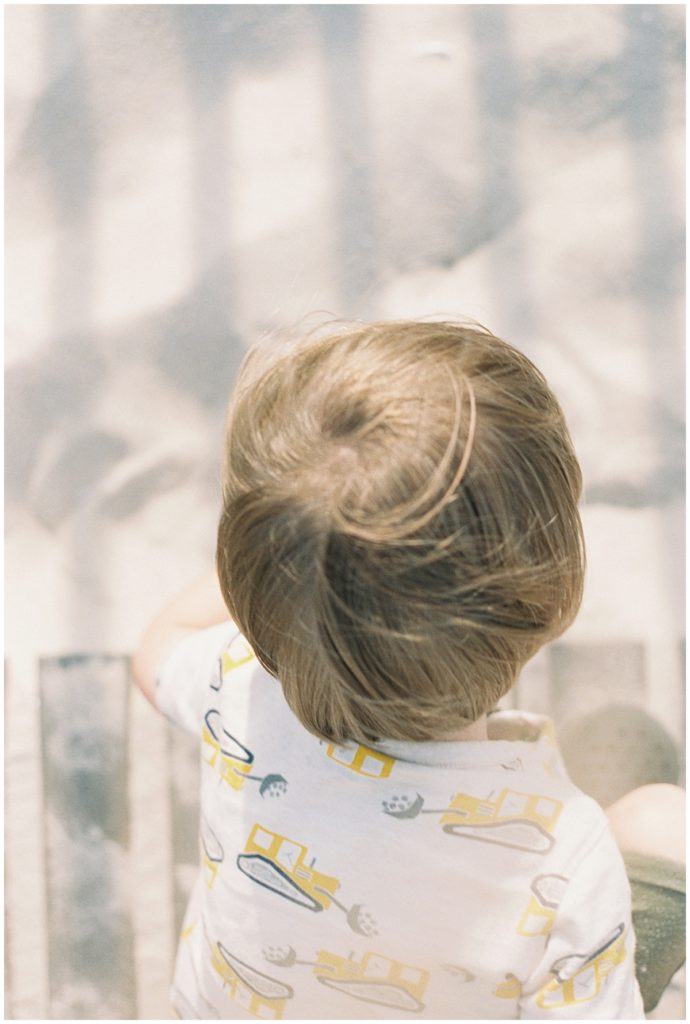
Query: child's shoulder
{"type": "Point", "coordinates": [578, 821]}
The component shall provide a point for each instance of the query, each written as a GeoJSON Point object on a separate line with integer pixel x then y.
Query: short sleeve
{"type": "Point", "coordinates": [188, 670]}
{"type": "Point", "coordinates": [588, 968]}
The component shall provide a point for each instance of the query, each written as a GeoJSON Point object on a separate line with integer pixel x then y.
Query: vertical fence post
{"type": "Point", "coordinates": [84, 735]}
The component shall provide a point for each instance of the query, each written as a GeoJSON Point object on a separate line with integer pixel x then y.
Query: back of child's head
{"type": "Point", "coordinates": [400, 529]}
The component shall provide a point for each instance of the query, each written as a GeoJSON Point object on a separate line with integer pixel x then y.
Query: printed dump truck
{"type": "Point", "coordinates": [587, 981]}
{"type": "Point", "coordinates": [374, 979]}
{"type": "Point", "coordinates": [521, 820]}
{"type": "Point", "coordinates": [254, 991]}
{"type": "Point", "coordinates": [278, 863]}
{"type": "Point", "coordinates": [211, 852]}
{"type": "Point", "coordinates": [238, 653]}
{"type": "Point", "coordinates": [540, 913]}
{"type": "Point", "coordinates": [509, 988]}
{"type": "Point", "coordinates": [362, 760]}
{"type": "Point", "coordinates": [223, 752]}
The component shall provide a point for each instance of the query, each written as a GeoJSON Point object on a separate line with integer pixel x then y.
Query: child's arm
{"type": "Point", "coordinates": [198, 606]}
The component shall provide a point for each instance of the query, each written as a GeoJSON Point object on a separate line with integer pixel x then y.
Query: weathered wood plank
{"type": "Point", "coordinates": [84, 720]}
{"type": "Point", "coordinates": [26, 985]}
{"type": "Point", "coordinates": [151, 857]}
{"type": "Point", "coordinates": [7, 967]}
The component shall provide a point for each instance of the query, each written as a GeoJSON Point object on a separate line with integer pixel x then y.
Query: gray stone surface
{"type": "Point", "coordinates": [182, 178]}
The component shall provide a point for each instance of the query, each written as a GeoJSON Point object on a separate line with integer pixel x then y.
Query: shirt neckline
{"type": "Point", "coordinates": [516, 735]}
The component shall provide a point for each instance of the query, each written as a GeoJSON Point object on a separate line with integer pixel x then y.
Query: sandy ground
{"type": "Point", "coordinates": [181, 179]}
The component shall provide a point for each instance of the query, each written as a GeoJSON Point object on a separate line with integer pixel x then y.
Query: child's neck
{"type": "Point", "coordinates": [476, 731]}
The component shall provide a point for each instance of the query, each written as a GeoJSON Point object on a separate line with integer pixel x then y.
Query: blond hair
{"type": "Point", "coordinates": [400, 529]}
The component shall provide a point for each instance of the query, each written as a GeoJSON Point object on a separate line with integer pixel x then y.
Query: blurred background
{"type": "Point", "coordinates": [183, 178]}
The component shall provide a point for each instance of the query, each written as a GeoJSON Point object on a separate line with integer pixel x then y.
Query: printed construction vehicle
{"type": "Point", "coordinates": [362, 760]}
{"type": "Point", "coordinates": [232, 759]}
{"type": "Point", "coordinates": [373, 979]}
{"type": "Point", "coordinates": [278, 863]}
{"type": "Point", "coordinates": [212, 853]}
{"type": "Point", "coordinates": [570, 986]}
{"type": "Point", "coordinates": [540, 914]}
{"type": "Point", "coordinates": [255, 992]}
{"type": "Point", "coordinates": [461, 973]}
{"type": "Point", "coordinates": [237, 653]}
{"type": "Point", "coordinates": [521, 820]}
{"type": "Point", "coordinates": [509, 988]}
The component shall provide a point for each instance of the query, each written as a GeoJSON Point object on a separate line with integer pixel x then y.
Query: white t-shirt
{"type": "Point", "coordinates": [449, 880]}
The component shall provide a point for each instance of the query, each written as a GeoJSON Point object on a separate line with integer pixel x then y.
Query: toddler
{"type": "Point", "coordinates": [399, 535]}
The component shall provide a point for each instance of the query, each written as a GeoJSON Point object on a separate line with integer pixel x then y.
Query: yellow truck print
{"type": "Point", "coordinates": [362, 760]}
{"type": "Point", "coordinates": [524, 821]}
{"type": "Point", "coordinates": [540, 913]}
{"type": "Point", "coordinates": [580, 977]}
{"type": "Point", "coordinates": [374, 979]}
{"type": "Point", "coordinates": [212, 853]}
{"type": "Point", "coordinates": [254, 991]}
{"type": "Point", "coordinates": [279, 864]}
{"type": "Point", "coordinates": [232, 760]}
{"type": "Point", "coordinates": [509, 988]}
{"type": "Point", "coordinates": [520, 820]}
{"type": "Point", "coordinates": [230, 757]}
{"type": "Point", "coordinates": [236, 654]}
